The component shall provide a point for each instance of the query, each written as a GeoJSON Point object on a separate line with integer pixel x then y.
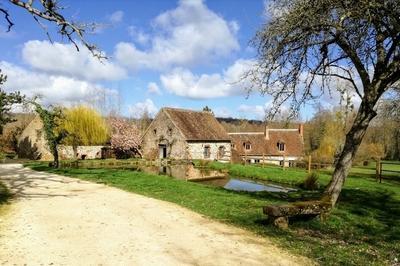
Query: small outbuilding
{"type": "Point", "coordinates": [185, 134]}
{"type": "Point", "coordinates": [273, 146]}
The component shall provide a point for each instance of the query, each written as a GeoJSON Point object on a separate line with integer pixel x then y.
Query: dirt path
{"type": "Point", "coordinates": [60, 220]}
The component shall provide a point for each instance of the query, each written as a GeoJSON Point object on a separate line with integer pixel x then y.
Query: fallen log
{"type": "Point", "coordinates": [279, 214]}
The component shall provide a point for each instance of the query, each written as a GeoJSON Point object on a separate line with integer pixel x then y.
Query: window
{"type": "Point", "coordinates": [155, 131]}
{"type": "Point", "coordinates": [247, 145]}
{"type": "Point", "coordinates": [207, 151]}
{"type": "Point", "coordinates": [170, 131]}
{"type": "Point", "coordinates": [221, 151]}
{"type": "Point", "coordinates": [281, 146]}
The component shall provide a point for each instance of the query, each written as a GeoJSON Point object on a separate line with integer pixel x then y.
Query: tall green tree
{"type": "Point", "coordinates": [305, 45]}
{"type": "Point", "coordinates": [84, 126]}
{"type": "Point", "coordinates": [51, 118]}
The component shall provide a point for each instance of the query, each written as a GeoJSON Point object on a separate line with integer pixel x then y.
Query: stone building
{"type": "Point", "coordinates": [33, 145]}
{"type": "Point", "coordinates": [274, 146]}
{"type": "Point", "coordinates": [186, 134]}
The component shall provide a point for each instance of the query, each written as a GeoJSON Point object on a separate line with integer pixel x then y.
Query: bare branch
{"type": "Point", "coordinates": [7, 18]}
{"type": "Point", "coordinates": [48, 10]}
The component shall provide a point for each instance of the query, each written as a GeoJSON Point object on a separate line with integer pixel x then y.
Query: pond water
{"type": "Point", "coordinates": [246, 185]}
{"type": "Point", "coordinates": [203, 176]}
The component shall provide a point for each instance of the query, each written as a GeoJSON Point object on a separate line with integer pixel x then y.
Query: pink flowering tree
{"type": "Point", "coordinates": [125, 138]}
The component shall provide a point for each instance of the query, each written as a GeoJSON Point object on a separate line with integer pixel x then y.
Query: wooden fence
{"type": "Point", "coordinates": [381, 171]}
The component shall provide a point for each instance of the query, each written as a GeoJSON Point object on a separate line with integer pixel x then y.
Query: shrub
{"type": "Point", "coordinates": [203, 163]}
{"type": "Point", "coordinates": [310, 182]}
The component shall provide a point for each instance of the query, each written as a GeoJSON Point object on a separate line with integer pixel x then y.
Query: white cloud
{"type": "Point", "coordinates": [153, 88]}
{"type": "Point", "coordinates": [222, 112]}
{"type": "Point", "coordinates": [257, 111]}
{"type": "Point", "coordinates": [260, 111]}
{"type": "Point", "coordinates": [183, 82]}
{"type": "Point", "coordinates": [138, 35]}
{"type": "Point", "coordinates": [116, 17]}
{"type": "Point", "coordinates": [139, 108]}
{"type": "Point", "coordinates": [64, 59]}
{"type": "Point", "coordinates": [187, 35]}
{"type": "Point", "coordinates": [53, 88]}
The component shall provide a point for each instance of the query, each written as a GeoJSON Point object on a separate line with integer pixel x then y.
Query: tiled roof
{"type": "Point", "coordinates": [196, 125]}
{"type": "Point", "coordinates": [262, 146]}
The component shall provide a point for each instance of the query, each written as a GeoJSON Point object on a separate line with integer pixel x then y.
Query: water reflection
{"type": "Point", "coordinates": [184, 172]}
{"type": "Point", "coordinates": [204, 176]}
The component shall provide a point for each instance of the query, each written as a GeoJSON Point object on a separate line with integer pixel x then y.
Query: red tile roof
{"type": "Point", "coordinates": [261, 146]}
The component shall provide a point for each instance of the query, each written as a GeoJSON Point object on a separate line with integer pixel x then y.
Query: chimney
{"type": "Point", "coordinates": [301, 129]}
{"type": "Point", "coordinates": [266, 132]}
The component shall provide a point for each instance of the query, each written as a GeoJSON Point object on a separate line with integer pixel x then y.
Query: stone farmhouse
{"type": "Point", "coordinates": [186, 134]}
{"type": "Point", "coordinates": [274, 146]}
{"type": "Point", "coordinates": [33, 145]}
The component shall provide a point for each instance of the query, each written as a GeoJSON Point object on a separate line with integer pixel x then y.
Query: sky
{"type": "Point", "coordinates": [186, 54]}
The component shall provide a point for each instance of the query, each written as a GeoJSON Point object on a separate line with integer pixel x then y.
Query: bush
{"type": "Point", "coordinates": [311, 182]}
{"type": "Point", "coordinates": [204, 163]}
{"type": "Point", "coordinates": [2, 156]}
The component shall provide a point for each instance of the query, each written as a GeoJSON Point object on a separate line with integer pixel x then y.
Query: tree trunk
{"type": "Point", "coordinates": [55, 155]}
{"type": "Point", "coordinates": [75, 151]}
{"type": "Point", "coordinates": [353, 140]}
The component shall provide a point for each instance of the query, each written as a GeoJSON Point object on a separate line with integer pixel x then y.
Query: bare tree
{"type": "Point", "coordinates": [306, 45]}
{"type": "Point", "coordinates": [44, 11]}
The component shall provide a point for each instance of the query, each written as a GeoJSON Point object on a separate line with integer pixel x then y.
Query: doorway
{"type": "Point", "coordinates": [163, 151]}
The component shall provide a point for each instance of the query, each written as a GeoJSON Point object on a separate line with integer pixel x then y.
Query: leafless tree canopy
{"type": "Point", "coordinates": [44, 11]}
{"type": "Point", "coordinates": [306, 44]}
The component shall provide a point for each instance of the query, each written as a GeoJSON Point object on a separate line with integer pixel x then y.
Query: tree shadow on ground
{"type": "Point", "coordinates": [25, 183]}
{"type": "Point", "coordinates": [378, 212]}
{"type": "Point", "coordinates": [5, 194]}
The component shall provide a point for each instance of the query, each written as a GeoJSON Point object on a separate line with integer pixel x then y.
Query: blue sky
{"type": "Point", "coordinates": [186, 54]}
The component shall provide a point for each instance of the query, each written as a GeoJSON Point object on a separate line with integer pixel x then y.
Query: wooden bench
{"type": "Point", "coordinates": [279, 215]}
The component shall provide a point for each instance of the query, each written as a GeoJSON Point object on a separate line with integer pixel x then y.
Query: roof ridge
{"type": "Point", "coordinates": [246, 133]}
{"type": "Point", "coordinates": [183, 110]}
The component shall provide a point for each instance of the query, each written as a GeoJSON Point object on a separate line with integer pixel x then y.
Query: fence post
{"type": "Point", "coordinates": [309, 163]}
{"type": "Point", "coordinates": [263, 160]}
{"type": "Point", "coordinates": [378, 171]}
{"type": "Point", "coordinates": [284, 159]}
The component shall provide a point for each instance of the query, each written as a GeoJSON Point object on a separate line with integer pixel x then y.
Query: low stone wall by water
{"type": "Point", "coordinates": [82, 152]}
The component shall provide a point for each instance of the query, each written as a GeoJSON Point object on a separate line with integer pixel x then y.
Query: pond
{"type": "Point", "coordinates": [203, 176]}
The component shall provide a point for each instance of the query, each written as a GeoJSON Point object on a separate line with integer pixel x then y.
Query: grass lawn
{"type": "Point", "coordinates": [364, 229]}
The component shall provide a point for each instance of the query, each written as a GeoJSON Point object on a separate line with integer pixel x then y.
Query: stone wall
{"type": "Point", "coordinates": [163, 131]}
{"type": "Point", "coordinates": [32, 144]}
{"type": "Point", "coordinates": [82, 152]}
{"type": "Point", "coordinates": [271, 159]}
{"type": "Point", "coordinates": [196, 150]}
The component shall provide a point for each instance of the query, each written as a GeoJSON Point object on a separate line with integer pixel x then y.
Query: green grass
{"type": "Point", "coordinates": [364, 229]}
